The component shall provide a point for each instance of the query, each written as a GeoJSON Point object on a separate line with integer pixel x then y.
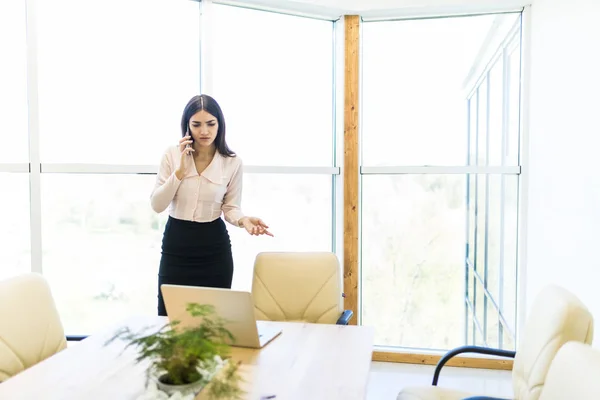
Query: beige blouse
{"type": "Point", "coordinates": [199, 198]}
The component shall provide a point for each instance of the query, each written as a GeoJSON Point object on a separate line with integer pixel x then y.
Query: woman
{"type": "Point", "coordinates": [200, 178]}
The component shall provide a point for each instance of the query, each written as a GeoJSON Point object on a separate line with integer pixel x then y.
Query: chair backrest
{"type": "Point", "coordinates": [30, 328]}
{"type": "Point", "coordinates": [556, 317]}
{"type": "Point", "coordinates": [297, 287]}
{"type": "Point", "coordinates": [574, 374]}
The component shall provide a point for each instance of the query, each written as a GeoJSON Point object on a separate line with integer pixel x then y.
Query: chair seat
{"type": "Point", "coordinates": [431, 393]}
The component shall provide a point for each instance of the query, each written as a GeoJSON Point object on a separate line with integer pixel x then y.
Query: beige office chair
{"type": "Point", "coordinates": [573, 374]}
{"type": "Point", "coordinates": [299, 287]}
{"type": "Point", "coordinates": [30, 328]}
{"type": "Point", "coordinates": [556, 318]}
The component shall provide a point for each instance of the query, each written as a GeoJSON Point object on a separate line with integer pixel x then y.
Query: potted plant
{"type": "Point", "coordinates": [186, 359]}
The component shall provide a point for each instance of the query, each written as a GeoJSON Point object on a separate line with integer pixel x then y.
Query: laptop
{"type": "Point", "coordinates": [235, 307]}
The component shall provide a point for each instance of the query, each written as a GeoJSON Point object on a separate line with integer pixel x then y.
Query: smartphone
{"type": "Point", "coordinates": [187, 133]}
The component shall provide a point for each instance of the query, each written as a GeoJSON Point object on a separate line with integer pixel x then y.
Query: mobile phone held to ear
{"type": "Point", "coordinates": [187, 133]}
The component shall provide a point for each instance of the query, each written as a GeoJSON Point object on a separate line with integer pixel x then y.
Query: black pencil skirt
{"type": "Point", "coordinates": [195, 254]}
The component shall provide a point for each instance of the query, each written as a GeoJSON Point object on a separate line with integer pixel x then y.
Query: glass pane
{"type": "Point", "coordinates": [15, 243]}
{"type": "Point", "coordinates": [479, 303]}
{"type": "Point", "coordinates": [413, 235]}
{"type": "Point", "coordinates": [471, 306]}
{"type": "Point", "coordinates": [473, 130]}
{"type": "Point", "coordinates": [494, 237]}
{"type": "Point", "coordinates": [114, 77]}
{"type": "Point", "coordinates": [509, 280]}
{"type": "Point", "coordinates": [508, 342]}
{"type": "Point", "coordinates": [470, 326]}
{"type": "Point", "coordinates": [479, 337]}
{"type": "Point", "coordinates": [13, 83]}
{"type": "Point", "coordinates": [300, 218]}
{"type": "Point", "coordinates": [471, 286]}
{"type": "Point", "coordinates": [100, 232]}
{"type": "Point", "coordinates": [274, 81]}
{"type": "Point", "coordinates": [492, 323]}
{"type": "Point", "coordinates": [408, 101]}
{"type": "Point", "coordinates": [480, 244]}
{"type": "Point", "coordinates": [496, 106]}
{"type": "Point", "coordinates": [482, 125]}
{"type": "Point", "coordinates": [514, 106]}
{"type": "Point", "coordinates": [472, 181]}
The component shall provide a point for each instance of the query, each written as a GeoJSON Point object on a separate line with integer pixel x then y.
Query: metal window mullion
{"type": "Point", "coordinates": [339, 134]}
{"type": "Point", "coordinates": [35, 197]}
{"type": "Point", "coordinates": [501, 245]}
{"type": "Point", "coordinates": [200, 45]}
{"type": "Point", "coordinates": [334, 208]}
{"type": "Point", "coordinates": [360, 162]}
{"type": "Point", "coordinates": [467, 249]}
{"type": "Point", "coordinates": [437, 12]}
{"type": "Point", "coordinates": [487, 205]}
{"type": "Point", "coordinates": [439, 170]}
{"type": "Point", "coordinates": [505, 105]}
{"type": "Point", "coordinates": [206, 46]}
{"type": "Point", "coordinates": [476, 206]}
{"type": "Point", "coordinates": [153, 169]}
{"type": "Point", "coordinates": [15, 167]}
{"type": "Point", "coordinates": [304, 11]}
{"type": "Point", "coordinates": [468, 237]}
{"type": "Point", "coordinates": [524, 38]}
{"type": "Point", "coordinates": [476, 249]}
{"type": "Point", "coordinates": [505, 144]}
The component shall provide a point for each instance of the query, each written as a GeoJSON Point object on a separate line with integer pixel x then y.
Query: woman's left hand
{"type": "Point", "coordinates": [255, 226]}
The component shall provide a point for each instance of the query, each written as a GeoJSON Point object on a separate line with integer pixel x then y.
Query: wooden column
{"type": "Point", "coordinates": [351, 157]}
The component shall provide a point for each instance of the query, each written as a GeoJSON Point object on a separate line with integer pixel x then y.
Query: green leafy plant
{"type": "Point", "coordinates": [179, 356]}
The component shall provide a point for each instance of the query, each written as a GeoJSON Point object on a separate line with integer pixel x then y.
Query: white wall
{"type": "Point", "coordinates": [563, 225]}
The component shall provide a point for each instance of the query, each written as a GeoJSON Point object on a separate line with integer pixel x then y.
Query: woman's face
{"type": "Point", "coordinates": [203, 128]}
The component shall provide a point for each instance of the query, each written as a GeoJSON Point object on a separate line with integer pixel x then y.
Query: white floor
{"type": "Point", "coordinates": [387, 379]}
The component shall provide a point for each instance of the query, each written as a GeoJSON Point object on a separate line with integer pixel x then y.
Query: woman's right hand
{"type": "Point", "coordinates": [187, 159]}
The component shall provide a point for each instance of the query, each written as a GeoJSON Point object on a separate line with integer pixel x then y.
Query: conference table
{"type": "Point", "coordinates": [307, 361]}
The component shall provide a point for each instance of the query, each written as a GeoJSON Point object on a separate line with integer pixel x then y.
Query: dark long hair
{"type": "Point", "coordinates": [210, 105]}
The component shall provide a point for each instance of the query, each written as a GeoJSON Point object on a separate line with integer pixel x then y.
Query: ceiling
{"type": "Point", "coordinates": [383, 9]}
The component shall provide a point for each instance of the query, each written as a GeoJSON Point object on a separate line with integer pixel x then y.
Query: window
{"type": "Point", "coordinates": [412, 258]}
{"type": "Point", "coordinates": [428, 189]}
{"type": "Point", "coordinates": [439, 154]}
{"type": "Point", "coordinates": [15, 242]}
{"type": "Point", "coordinates": [297, 207]}
{"type": "Point", "coordinates": [14, 235]}
{"type": "Point", "coordinates": [410, 102]}
{"type": "Point", "coordinates": [100, 232]}
{"type": "Point", "coordinates": [13, 83]}
{"type": "Point", "coordinates": [110, 93]}
{"type": "Point", "coordinates": [273, 76]}
{"type": "Point", "coordinates": [110, 103]}
{"type": "Point", "coordinates": [491, 259]}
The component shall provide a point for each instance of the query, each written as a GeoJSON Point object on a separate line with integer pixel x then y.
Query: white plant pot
{"type": "Point", "coordinates": [189, 388]}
